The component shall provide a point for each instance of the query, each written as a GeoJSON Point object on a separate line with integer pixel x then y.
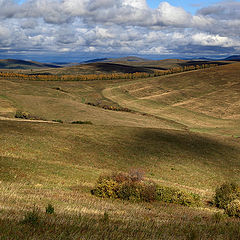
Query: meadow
{"type": "Point", "coordinates": [182, 131]}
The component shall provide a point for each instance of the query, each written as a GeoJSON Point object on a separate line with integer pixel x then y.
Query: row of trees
{"type": "Point", "coordinates": [110, 76]}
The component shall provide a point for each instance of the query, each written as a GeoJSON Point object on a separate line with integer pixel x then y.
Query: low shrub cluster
{"type": "Point", "coordinates": [227, 197]}
{"type": "Point", "coordinates": [134, 187]}
{"type": "Point", "coordinates": [111, 108]}
{"type": "Point", "coordinates": [26, 115]}
{"type": "Point", "coordinates": [82, 122]}
{"type": "Point", "coordinates": [23, 115]}
{"type": "Point", "coordinates": [58, 120]}
{"type": "Point", "coordinates": [125, 186]}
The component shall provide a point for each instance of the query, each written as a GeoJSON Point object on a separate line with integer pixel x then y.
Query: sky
{"type": "Point", "coordinates": [78, 30]}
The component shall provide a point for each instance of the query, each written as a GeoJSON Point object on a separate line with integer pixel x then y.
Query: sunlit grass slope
{"type": "Point", "coordinates": [67, 101]}
{"type": "Point", "coordinates": [204, 100]}
{"type": "Point", "coordinates": [45, 163]}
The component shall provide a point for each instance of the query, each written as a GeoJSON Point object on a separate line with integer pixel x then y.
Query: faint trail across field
{"type": "Point", "coordinates": [24, 120]}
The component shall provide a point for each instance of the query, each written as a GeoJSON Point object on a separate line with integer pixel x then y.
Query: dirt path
{"type": "Point", "coordinates": [24, 120]}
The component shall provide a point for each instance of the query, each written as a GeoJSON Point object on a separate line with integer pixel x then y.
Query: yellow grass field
{"type": "Point", "coordinates": [183, 131]}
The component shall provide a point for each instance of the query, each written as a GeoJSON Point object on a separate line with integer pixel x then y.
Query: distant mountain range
{"type": "Point", "coordinates": [21, 64]}
{"type": "Point", "coordinates": [96, 60]}
{"type": "Point", "coordinates": [137, 59]}
{"type": "Point", "coordinates": [122, 59]}
{"type": "Point", "coordinates": [233, 58]}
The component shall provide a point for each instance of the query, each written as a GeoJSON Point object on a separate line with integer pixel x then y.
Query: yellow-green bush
{"type": "Point", "coordinates": [233, 208]}
{"type": "Point", "coordinates": [225, 194]}
{"type": "Point", "coordinates": [128, 187]}
{"type": "Point", "coordinates": [106, 188]}
{"type": "Point", "coordinates": [129, 191]}
{"type": "Point", "coordinates": [172, 195]}
{"type": "Point", "coordinates": [26, 115]}
{"type": "Point", "coordinates": [23, 115]}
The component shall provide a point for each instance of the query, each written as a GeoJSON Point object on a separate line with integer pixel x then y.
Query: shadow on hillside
{"type": "Point", "coordinates": [112, 67]}
{"type": "Point", "coordinates": [164, 143]}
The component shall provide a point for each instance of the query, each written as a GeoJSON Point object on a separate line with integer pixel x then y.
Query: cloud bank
{"type": "Point", "coordinates": [127, 27]}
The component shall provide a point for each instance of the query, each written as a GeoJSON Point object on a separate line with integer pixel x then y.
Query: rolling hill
{"type": "Point", "coordinates": [233, 58]}
{"type": "Point", "coordinates": [21, 64]}
{"type": "Point", "coordinates": [183, 130]}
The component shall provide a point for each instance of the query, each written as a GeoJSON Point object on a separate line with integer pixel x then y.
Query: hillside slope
{"type": "Point", "coordinates": [21, 64]}
{"type": "Point", "coordinates": [59, 163]}
{"type": "Point", "coordinates": [204, 100]}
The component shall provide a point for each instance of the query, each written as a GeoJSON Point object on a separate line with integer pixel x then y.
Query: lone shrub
{"type": "Point", "coordinates": [105, 217]}
{"type": "Point", "coordinates": [233, 208]}
{"type": "Point", "coordinates": [50, 209]}
{"type": "Point", "coordinates": [225, 194]}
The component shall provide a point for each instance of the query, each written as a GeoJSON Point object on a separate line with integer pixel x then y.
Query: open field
{"type": "Point", "coordinates": [205, 100]}
{"type": "Point", "coordinates": [59, 163]}
{"type": "Point", "coordinates": [183, 131]}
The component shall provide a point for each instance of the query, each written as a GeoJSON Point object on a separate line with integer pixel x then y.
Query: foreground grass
{"type": "Point", "coordinates": [78, 226]}
{"type": "Point", "coordinates": [42, 163]}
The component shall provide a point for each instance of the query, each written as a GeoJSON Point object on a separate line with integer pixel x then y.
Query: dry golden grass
{"type": "Point", "coordinates": [43, 163]}
{"type": "Point", "coordinates": [69, 104]}
{"type": "Point", "coordinates": [203, 100]}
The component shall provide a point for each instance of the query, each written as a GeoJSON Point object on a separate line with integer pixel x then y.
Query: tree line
{"type": "Point", "coordinates": [105, 76]}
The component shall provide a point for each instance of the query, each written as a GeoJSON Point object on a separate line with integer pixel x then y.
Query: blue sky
{"type": "Point", "coordinates": [188, 5]}
{"type": "Point", "coordinates": [75, 30]}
